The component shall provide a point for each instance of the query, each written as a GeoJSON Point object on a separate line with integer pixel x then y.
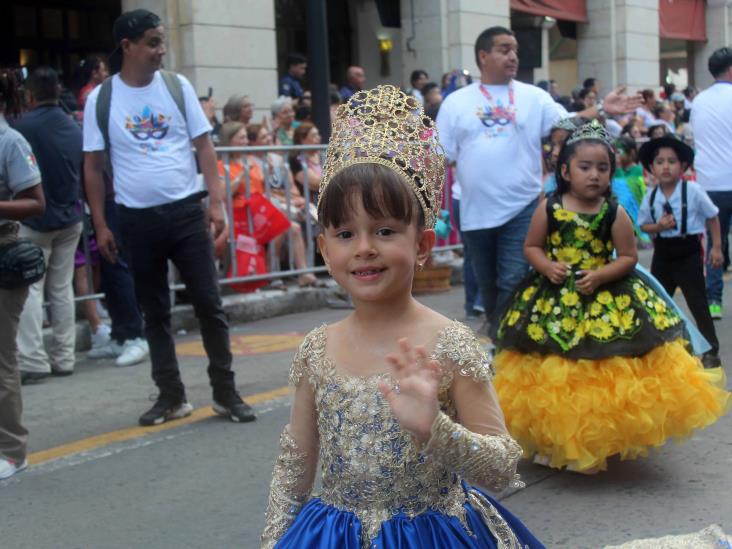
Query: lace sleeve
{"type": "Point", "coordinates": [486, 460]}
{"type": "Point", "coordinates": [458, 350]}
{"type": "Point", "coordinates": [295, 466]}
{"type": "Point", "coordinates": [309, 348]}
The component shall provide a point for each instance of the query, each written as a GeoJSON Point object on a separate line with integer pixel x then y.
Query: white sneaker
{"type": "Point", "coordinates": [8, 468]}
{"type": "Point", "coordinates": [101, 337]}
{"type": "Point", "coordinates": [111, 350]}
{"type": "Point", "coordinates": [134, 351]}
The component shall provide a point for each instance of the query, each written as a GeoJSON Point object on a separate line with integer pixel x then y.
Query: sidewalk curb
{"type": "Point", "coordinates": [247, 307]}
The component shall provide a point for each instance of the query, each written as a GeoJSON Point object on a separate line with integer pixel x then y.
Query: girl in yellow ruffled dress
{"type": "Point", "coordinates": [591, 360]}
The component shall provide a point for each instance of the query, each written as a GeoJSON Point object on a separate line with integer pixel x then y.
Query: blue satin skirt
{"type": "Point", "coordinates": [321, 526]}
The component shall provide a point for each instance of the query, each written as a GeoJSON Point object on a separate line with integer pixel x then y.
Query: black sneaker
{"type": "Point", "coordinates": [230, 404]}
{"type": "Point", "coordinates": [30, 378]}
{"type": "Point", "coordinates": [711, 360]}
{"type": "Point", "coordinates": [165, 409]}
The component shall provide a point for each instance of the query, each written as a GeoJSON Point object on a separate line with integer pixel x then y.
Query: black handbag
{"type": "Point", "coordinates": [21, 264]}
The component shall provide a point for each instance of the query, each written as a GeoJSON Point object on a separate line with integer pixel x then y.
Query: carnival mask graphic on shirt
{"type": "Point", "coordinates": [148, 125]}
{"type": "Point", "coordinates": [491, 116]}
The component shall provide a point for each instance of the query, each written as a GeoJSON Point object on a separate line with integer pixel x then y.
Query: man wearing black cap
{"type": "Point", "coordinates": [677, 213]}
{"type": "Point", "coordinates": [147, 127]}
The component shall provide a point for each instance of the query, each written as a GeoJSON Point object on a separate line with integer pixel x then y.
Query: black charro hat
{"type": "Point", "coordinates": [648, 150]}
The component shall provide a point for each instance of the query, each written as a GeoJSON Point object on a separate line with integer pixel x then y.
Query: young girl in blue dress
{"type": "Point", "coordinates": [592, 360]}
{"type": "Point", "coordinates": [395, 401]}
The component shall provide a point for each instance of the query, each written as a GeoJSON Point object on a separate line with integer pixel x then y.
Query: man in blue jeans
{"type": "Point", "coordinates": [492, 130]}
{"type": "Point", "coordinates": [152, 119]}
{"type": "Point", "coordinates": [711, 123]}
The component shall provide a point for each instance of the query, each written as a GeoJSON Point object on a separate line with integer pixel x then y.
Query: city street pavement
{"type": "Point", "coordinates": [97, 480]}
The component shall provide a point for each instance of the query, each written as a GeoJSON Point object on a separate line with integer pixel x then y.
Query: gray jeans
{"type": "Point", "coordinates": [13, 436]}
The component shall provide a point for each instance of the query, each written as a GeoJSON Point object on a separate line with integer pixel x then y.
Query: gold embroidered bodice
{"type": "Point", "coordinates": [369, 464]}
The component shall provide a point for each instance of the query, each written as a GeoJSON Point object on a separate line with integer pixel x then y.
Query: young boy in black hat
{"type": "Point", "coordinates": [676, 214]}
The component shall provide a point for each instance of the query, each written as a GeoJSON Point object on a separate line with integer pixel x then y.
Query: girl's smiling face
{"type": "Point", "coordinates": [374, 258]}
{"type": "Point", "coordinates": [588, 171]}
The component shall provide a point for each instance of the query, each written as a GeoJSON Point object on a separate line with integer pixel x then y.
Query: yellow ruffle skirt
{"type": "Point", "coordinates": [580, 412]}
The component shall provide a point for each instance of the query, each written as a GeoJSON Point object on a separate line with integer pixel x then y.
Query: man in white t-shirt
{"type": "Point", "coordinates": [492, 130]}
{"type": "Point", "coordinates": [159, 202]}
{"type": "Point", "coordinates": [711, 124]}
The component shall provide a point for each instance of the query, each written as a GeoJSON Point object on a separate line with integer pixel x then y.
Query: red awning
{"type": "Point", "coordinates": [567, 10]}
{"type": "Point", "coordinates": [682, 19]}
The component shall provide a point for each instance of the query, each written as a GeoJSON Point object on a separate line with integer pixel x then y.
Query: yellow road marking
{"type": "Point", "coordinates": [92, 443]}
{"type": "Point", "coordinates": [247, 344]}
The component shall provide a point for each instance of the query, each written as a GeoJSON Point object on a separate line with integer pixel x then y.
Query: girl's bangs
{"type": "Point", "coordinates": [383, 193]}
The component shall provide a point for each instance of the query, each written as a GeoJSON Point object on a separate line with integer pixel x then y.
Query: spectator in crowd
{"type": "Point", "coordinates": [554, 90]}
{"type": "Point", "coordinates": [592, 84]}
{"type": "Point", "coordinates": [432, 99]}
{"type": "Point", "coordinates": [681, 113]}
{"type": "Point", "coordinates": [658, 130]}
{"type": "Point", "coordinates": [633, 130]}
{"type": "Point", "coordinates": [355, 81]}
{"type": "Point", "coordinates": [645, 110]}
{"type": "Point", "coordinates": [239, 108]}
{"type": "Point", "coordinates": [307, 99]}
{"type": "Point", "coordinates": [664, 115]}
{"type": "Point", "coordinates": [283, 116]}
{"type": "Point", "coordinates": [690, 92]}
{"type": "Point", "coordinates": [300, 163]}
{"type": "Point", "coordinates": [291, 82]}
{"type": "Point", "coordinates": [208, 104]}
{"type": "Point", "coordinates": [91, 72]}
{"type": "Point", "coordinates": [497, 202]}
{"type": "Point", "coordinates": [669, 89]}
{"type": "Point", "coordinates": [84, 286]}
{"type": "Point", "coordinates": [711, 123]}
{"type": "Point", "coordinates": [166, 220]}
{"type": "Point", "coordinates": [335, 100]}
{"type": "Point", "coordinates": [417, 80]}
{"type": "Point", "coordinates": [267, 166]}
{"type": "Point", "coordinates": [588, 98]}
{"type": "Point", "coordinates": [21, 197]}
{"type": "Point", "coordinates": [56, 142]}
{"type": "Point", "coordinates": [303, 114]}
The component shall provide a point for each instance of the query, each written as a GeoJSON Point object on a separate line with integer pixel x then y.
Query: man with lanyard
{"type": "Point", "coordinates": [711, 124]}
{"type": "Point", "coordinates": [492, 130]}
{"type": "Point", "coordinates": [290, 85]}
{"type": "Point", "coordinates": [151, 123]}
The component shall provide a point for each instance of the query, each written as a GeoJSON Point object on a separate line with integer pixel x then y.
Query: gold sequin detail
{"type": "Point", "coordinates": [388, 127]}
{"type": "Point", "coordinates": [285, 501]}
{"type": "Point", "coordinates": [373, 468]}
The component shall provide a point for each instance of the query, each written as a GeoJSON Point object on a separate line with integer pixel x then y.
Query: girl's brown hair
{"type": "Point", "coordinates": [11, 102]}
{"type": "Point", "coordinates": [228, 131]}
{"type": "Point", "coordinates": [253, 132]}
{"type": "Point", "coordinates": [301, 132]}
{"type": "Point", "coordinates": [383, 192]}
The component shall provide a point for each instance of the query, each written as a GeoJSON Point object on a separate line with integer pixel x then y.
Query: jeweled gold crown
{"type": "Point", "coordinates": [388, 127]}
{"type": "Point", "coordinates": [592, 130]}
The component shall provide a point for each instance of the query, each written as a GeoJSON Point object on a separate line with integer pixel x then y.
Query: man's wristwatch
{"type": "Point", "coordinates": [600, 110]}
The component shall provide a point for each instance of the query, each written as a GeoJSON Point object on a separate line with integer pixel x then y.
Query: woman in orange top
{"type": "Point", "coordinates": [234, 134]}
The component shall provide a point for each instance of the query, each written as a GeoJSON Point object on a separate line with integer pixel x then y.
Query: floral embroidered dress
{"type": "Point", "coordinates": [379, 489]}
{"type": "Point", "coordinates": [581, 378]}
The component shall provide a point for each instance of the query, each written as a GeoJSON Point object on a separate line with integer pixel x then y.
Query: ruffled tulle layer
{"type": "Point", "coordinates": [322, 526]}
{"type": "Point", "coordinates": [580, 412]}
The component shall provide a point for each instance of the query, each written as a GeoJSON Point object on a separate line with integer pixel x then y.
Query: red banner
{"type": "Point", "coordinates": [567, 10]}
{"type": "Point", "coordinates": [682, 19]}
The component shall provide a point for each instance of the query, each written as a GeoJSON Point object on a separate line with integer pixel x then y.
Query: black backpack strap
{"type": "Point", "coordinates": [172, 82]}
{"type": "Point", "coordinates": [651, 202]}
{"type": "Point", "coordinates": [104, 105]}
{"type": "Point", "coordinates": [684, 208]}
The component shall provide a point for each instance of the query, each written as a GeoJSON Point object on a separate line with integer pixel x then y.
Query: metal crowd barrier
{"type": "Point", "coordinates": [272, 181]}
